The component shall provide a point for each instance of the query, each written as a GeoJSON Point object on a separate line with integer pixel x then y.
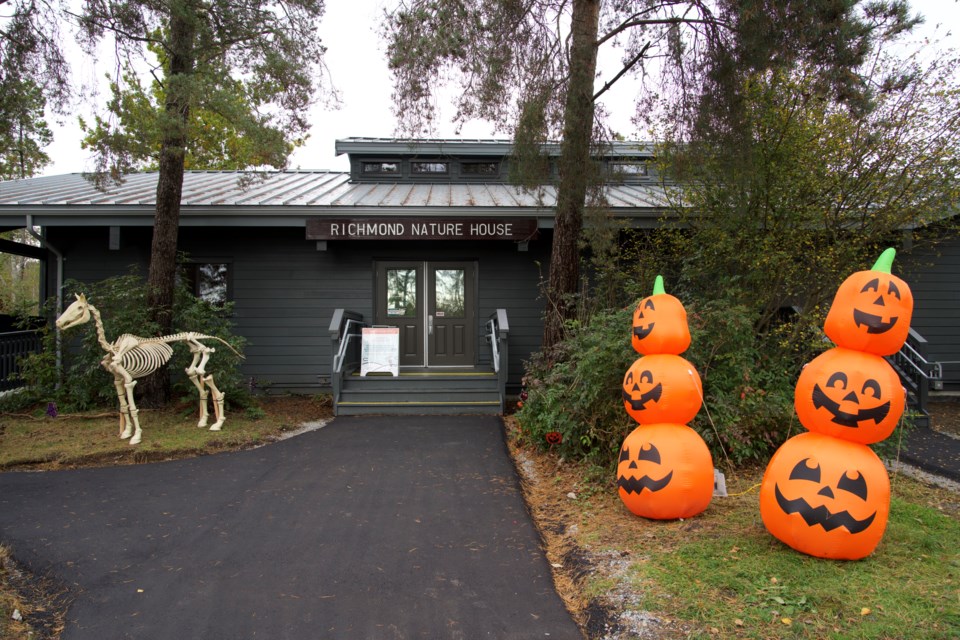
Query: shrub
{"type": "Point", "coordinates": [748, 387]}
{"type": "Point", "coordinates": [81, 383]}
{"type": "Point", "coordinates": [579, 396]}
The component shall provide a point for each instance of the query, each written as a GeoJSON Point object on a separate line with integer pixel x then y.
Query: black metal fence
{"type": "Point", "coordinates": [14, 345]}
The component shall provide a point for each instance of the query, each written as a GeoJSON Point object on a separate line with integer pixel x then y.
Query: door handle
{"type": "Point", "coordinates": [430, 325]}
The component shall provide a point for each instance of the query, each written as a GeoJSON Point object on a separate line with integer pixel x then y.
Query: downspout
{"type": "Point", "coordinates": [49, 247]}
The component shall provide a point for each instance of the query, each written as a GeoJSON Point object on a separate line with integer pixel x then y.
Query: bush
{"type": "Point", "coordinates": [82, 383]}
{"type": "Point", "coordinates": [579, 396]}
{"type": "Point", "coordinates": [748, 387]}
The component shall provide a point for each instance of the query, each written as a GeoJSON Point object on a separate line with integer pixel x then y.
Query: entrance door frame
{"type": "Point", "coordinates": [417, 329]}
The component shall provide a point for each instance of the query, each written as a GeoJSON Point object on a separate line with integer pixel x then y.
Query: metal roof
{"type": "Point", "coordinates": [286, 198]}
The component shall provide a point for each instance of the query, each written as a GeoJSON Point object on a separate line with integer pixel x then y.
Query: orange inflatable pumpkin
{"type": "Point", "coordinates": [665, 472]}
{"type": "Point", "coordinates": [660, 323]}
{"type": "Point", "coordinates": [872, 310]}
{"type": "Point", "coordinates": [826, 497]}
{"type": "Point", "coordinates": [851, 395]}
{"type": "Point", "coordinates": [662, 387]}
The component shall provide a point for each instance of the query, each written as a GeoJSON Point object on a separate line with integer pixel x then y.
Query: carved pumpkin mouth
{"type": "Point", "coordinates": [637, 485]}
{"type": "Point", "coordinates": [643, 332]}
{"type": "Point", "coordinates": [874, 323]}
{"type": "Point", "coordinates": [845, 418]}
{"type": "Point", "coordinates": [639, 404]}
{"type": "Point", "coordinates": [821, 515]}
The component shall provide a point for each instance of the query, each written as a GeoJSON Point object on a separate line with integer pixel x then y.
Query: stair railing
{"type": "Point", "coordinates": [498, 333]}
{"type": "Point", "coordinates": [345, 334]}
{"type": "Point", "coordinates": [918, 374]}
{"type": "Point", "coordinates": [14, 346]}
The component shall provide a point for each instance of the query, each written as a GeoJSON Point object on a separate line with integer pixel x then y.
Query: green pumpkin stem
{"type": "Point", "coordinates": [885, 261]}
{"type": "Point", "coordinates": [658, 286]}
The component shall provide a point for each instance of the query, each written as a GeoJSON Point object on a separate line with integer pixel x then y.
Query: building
{"type": "Point", "coordinates": [426, 236]}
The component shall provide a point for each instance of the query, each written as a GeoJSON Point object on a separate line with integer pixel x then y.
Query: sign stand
{"type": "Point", "coordinates": [380, 351]}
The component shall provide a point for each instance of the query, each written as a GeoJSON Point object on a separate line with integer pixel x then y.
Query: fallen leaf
{"type": "Point", "coordinates": [865, 611]}
{"type": "Point", "coordinates": [786, 621]}
{"type": "Point", "coordinates": [738, 622]}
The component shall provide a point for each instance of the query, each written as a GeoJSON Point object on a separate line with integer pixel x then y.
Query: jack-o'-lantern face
{"type": "Point", "coordinates": [665, 472]}
{"type": "Point", "coordinates": [851, 395]}
{"type": "Point", "coordinates": [662, 388]}
{"type": "Point", "coordinates": [871, 312]}
{"type": "Point", "coordinates": [660, 324]}
{"type": "Point", "coordinates": [826, 497]}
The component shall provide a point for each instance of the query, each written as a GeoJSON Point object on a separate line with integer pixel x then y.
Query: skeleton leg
{"type": "Point", "coordinates": [126, 425]}
{"type": "Point", "coordinates": [195, 374]}
{"type": "Point", "coordinates": [129, 385]}
{"type": "Point", "coordinates": [218, 397]}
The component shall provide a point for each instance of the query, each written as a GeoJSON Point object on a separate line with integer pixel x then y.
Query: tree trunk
{"type": "Point", "coordinates": [161, 278]}
{"type": "Point", "coordinates": [575, 170]}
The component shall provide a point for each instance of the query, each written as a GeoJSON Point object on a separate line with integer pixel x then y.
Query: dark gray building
{"type": "Point", "coordinates": [426, 236]}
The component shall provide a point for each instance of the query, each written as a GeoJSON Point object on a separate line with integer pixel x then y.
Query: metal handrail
{"type": "Point", "coordinates": [499, 343]}
{"type": "Point", "coordinates": [343, 327]}
{"type": "Point", "coordinates": [494, 344]}
{"type": "Point", "coordinates": [344, 341]}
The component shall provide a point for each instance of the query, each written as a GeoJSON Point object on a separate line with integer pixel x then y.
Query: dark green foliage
{"type": "Point", "coordinates": [748, 387]}
{"type": "Point", "coordinates": [579, 394]}
{"type": "Point", "coordinates": [121, 300]}
{"type": "Point", "coordinates": [748, 383]}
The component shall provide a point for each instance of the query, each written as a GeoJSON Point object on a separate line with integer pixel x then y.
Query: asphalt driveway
{"type": "Point", "coordinates": [386, 527]}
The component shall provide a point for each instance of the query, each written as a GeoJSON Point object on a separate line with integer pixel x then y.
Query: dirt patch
{"type": "Point", "coordinates": [33, 606]}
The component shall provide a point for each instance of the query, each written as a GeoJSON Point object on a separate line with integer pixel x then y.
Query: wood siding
{"type": "Point", "coordinates": [285, 290]}
{"type": "Point", "coordinates": [934, 277]}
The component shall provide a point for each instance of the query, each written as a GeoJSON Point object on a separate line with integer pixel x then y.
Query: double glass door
{"type": "Point", "coordinates": [434, 306]}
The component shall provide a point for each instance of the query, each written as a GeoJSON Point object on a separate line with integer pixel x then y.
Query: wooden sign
{"type": "Point", "coordinates": [392, 228]}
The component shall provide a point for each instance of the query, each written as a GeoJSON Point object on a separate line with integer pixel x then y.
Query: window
{"type": "Point", "coordinates": [449, 293]}
{"type": "Point", "coordinates": [380, 167]}
{"type": "Point", "coordinates": [480, 168]}
{"type": "Point", "coordinates": [402, 293]}
{"type": "Point", "coordinates": [429, 168]}
{"type": "Point", "coordinates": [209, 281]}
{"type": "Point", "coordinates": [628, 168]}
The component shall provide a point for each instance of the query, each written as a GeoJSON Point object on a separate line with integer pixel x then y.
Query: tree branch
{"type": "Point", "coordinates": [626, 67]}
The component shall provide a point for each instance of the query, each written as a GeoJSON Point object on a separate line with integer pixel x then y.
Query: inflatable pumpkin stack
{"type": "Point", "coordinates": [826, 493]}
{"type": "Point", "coordinates": [665, 469]}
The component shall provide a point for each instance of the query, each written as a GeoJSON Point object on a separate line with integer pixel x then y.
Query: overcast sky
{"type": "Point", "coordinates": [355, 57]}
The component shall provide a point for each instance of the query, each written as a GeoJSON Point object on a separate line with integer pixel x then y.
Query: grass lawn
{"type": "Point", "coordinates": [35, 440]}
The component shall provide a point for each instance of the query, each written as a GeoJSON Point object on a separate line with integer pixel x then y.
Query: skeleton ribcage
{"type": "Point", "coordinates": [146, 358]}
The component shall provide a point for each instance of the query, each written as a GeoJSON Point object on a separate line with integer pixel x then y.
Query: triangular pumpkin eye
{"type": "Point", "coordinates": [873, 285]}
{"type": "Point", "coordinates": [857, 486]}
{"type": "Point", "coordinates": [624, 454]}
{"type": "Point", "coordinates": [649, 305]}
{"type": "Point", "coordinates": [649, 454]}
{"type": "Point", "coordinates": [802, 472]}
